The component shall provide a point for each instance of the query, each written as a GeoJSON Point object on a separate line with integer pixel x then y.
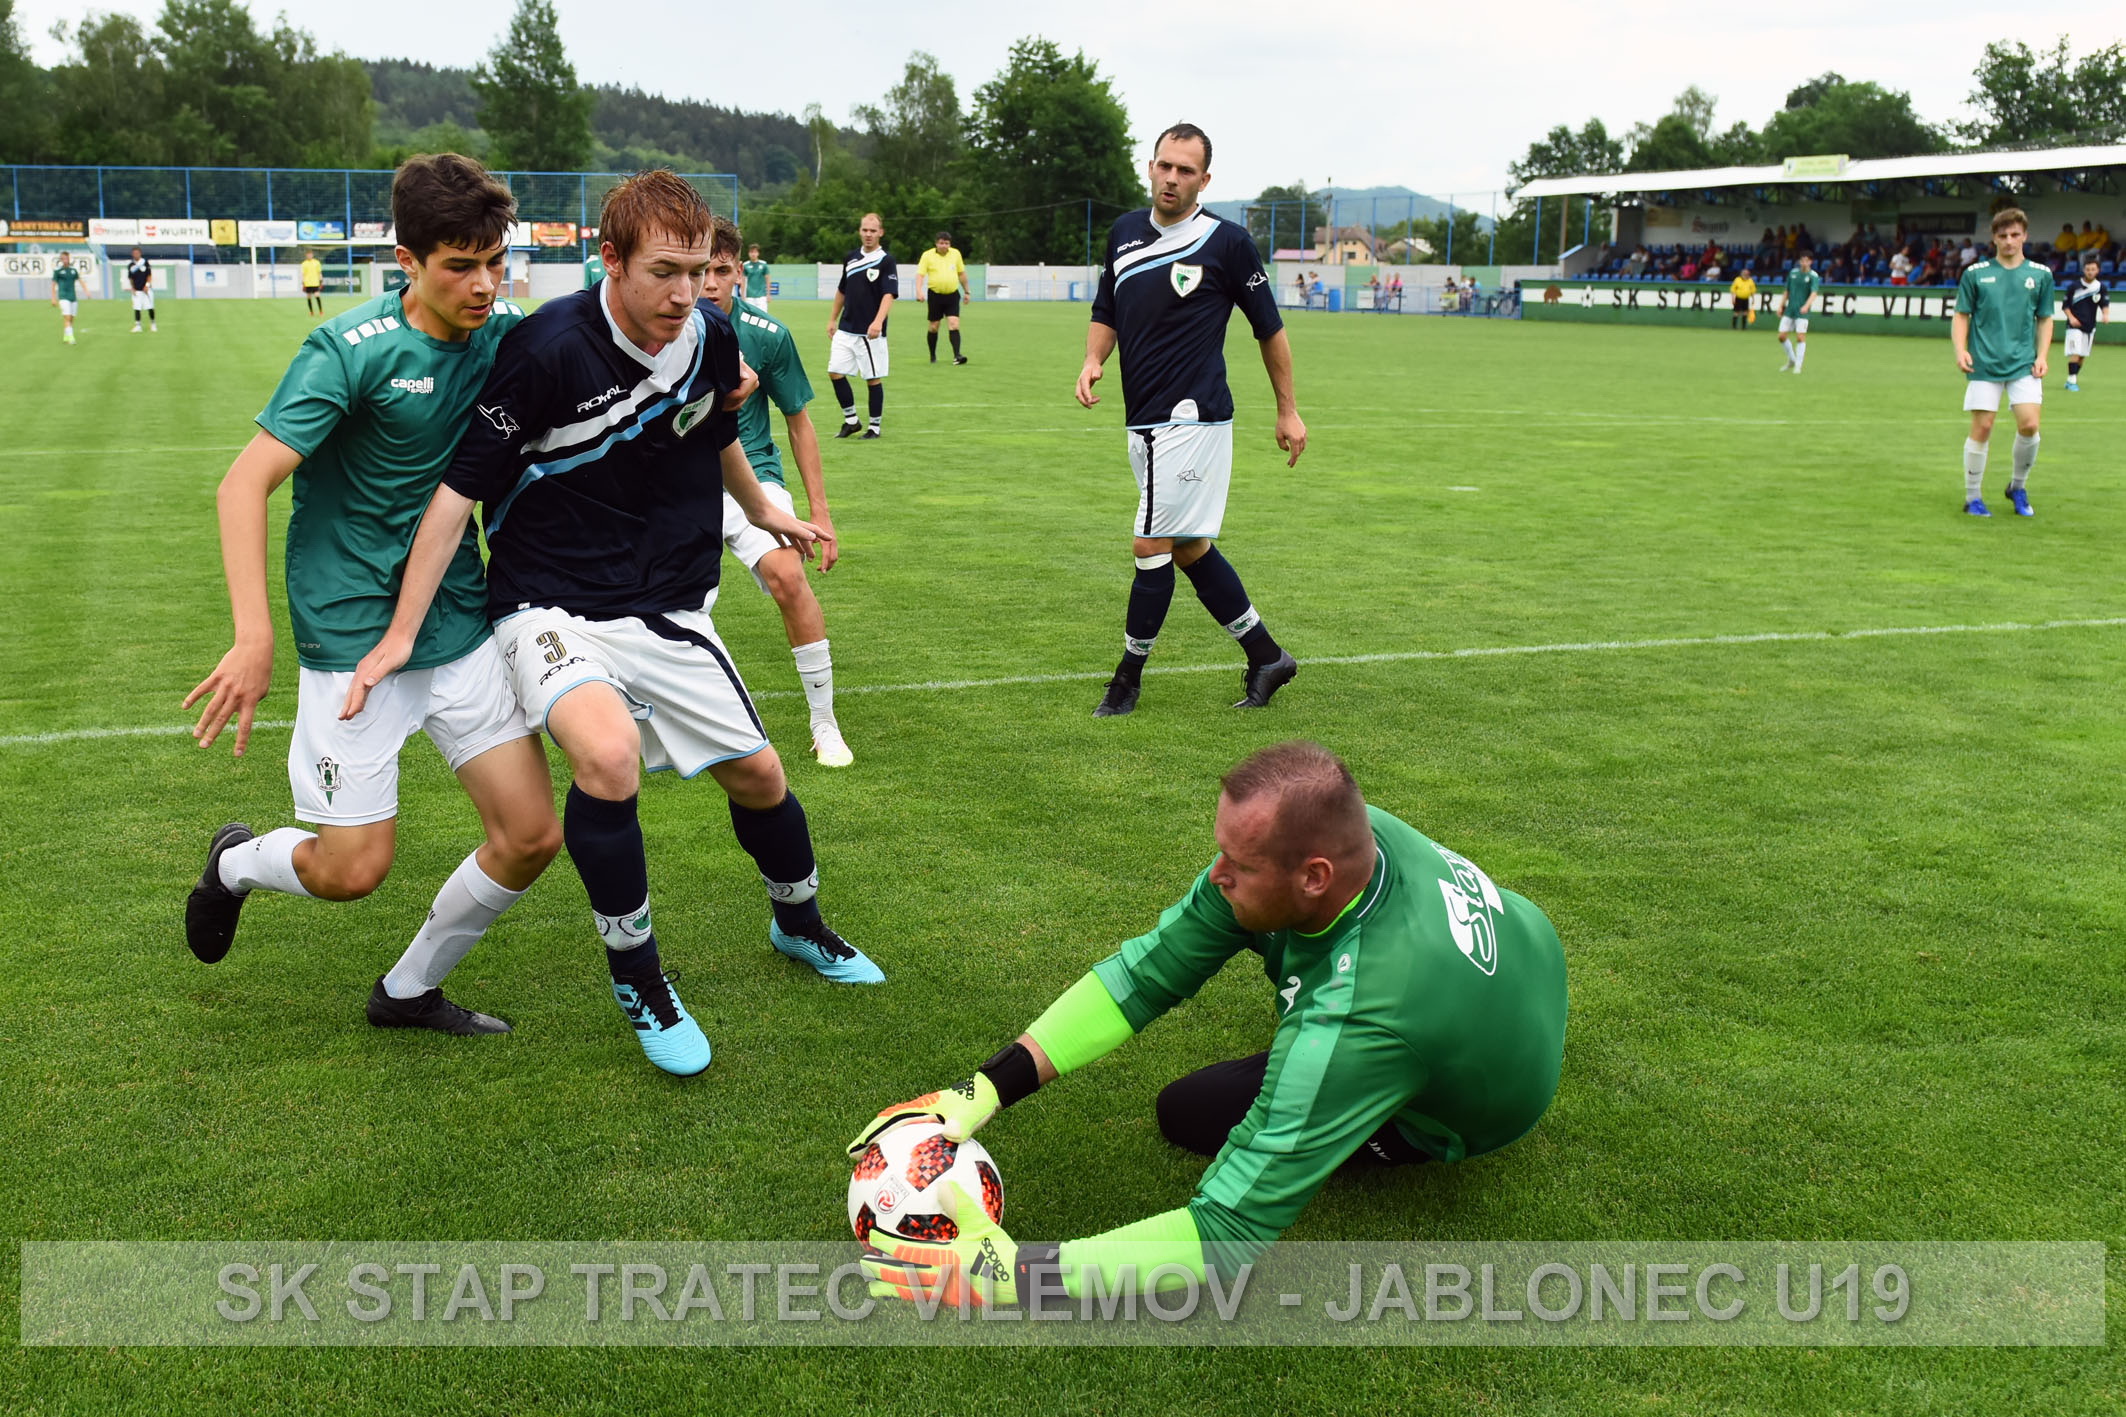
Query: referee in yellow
{"type": "Point", "coordinates": [1744, 288]}
{"type": "Point", "coordinates": [944, 276]}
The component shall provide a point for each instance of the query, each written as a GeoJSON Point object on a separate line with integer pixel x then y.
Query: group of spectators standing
{"type": "Point", "coordinates": [1308, 293]}
{"type": "Point", "coordinates": [1867, 257]}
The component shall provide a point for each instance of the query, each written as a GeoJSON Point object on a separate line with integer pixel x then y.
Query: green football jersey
{"type": "Point", "coordinates": [768, 349]}
{"type": "Point", "coordinates": [757, 279]}
{"type": "Point", "coordinates": [593, 271]}
{"type": "Point", "coordinates": [2005, 305]}
{"type": "Point", "coordinates": [376, 408]}
{"type": "Point", "coordinates": [68, 281]}
{"type": "Point", "coordinates": [1800, 285]}
{"type": "Point", "coordinates": [1436, 1000]}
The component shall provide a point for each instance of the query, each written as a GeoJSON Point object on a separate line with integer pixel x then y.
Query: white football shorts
{"type": "Point", "coordinates": [347, 774]}
{"type": "Point", "coordinates": [69, 307]}
{"type": "Point", "coordinates": [1183, 471]}
{"type": "Point", "coordinates": [855, 357]}
{"type": "Point", "coordinates": [1793, 327]}
{"type": "Point", "coordinates": [747, 541]}
{"type": "Point", "coordinates": [1984, 395]}
{"type": "Point", "coordinates": [672, 671]}
{"type": "Point", "coordinates": [143, 300]}
{"type": "Point", "coordinates": [2079, 343]}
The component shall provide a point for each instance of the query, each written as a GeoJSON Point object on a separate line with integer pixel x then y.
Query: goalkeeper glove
{"type": "Point", "coordinates": [979, 1268]}
{"type": "Point", "coordinates": [962, 1108]}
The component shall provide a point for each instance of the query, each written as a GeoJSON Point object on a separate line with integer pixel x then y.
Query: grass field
{"type": "Point", "coordinates": [1842, 910]}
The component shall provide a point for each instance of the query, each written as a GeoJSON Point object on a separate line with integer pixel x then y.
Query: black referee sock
{"type": "Point", "coordinates": [878, 403]}
{"type": "Point", "coordinates": [1218, 587]}
{"type": "Point", "coordinates": [933, 337]}
{"type": "Point", "coordinates": [954, 336]}
{"type": "Point", "coordinates": [845, 396]}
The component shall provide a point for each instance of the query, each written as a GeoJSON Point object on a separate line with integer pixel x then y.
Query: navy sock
{"type": "Point", "coordinates": [780, 843]}
{"type": "Point", "coordinates": [1218, 587]}
{"type": "Point", "coordinates": [641, 962]}
{"type": "Point", "coordinates": [878, 402]}
{"type": "Point", "coordinates": [954, 336]}
{"type": "Point", "coordinates": [845, 396]}
{"type": "Point", "coordinates": [605, 841]}
{"type": "Point", "coordinates": [1149, 596]}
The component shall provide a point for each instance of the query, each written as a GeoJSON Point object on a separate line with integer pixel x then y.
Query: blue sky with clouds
{"type": "Point", "coordinates": [1378, 94]}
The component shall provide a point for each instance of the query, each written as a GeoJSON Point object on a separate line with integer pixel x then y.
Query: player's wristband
{"type": "Point", "coordinates": [1035, 1273]}
{"type": "Point", "coordinates": [1012, 1073]}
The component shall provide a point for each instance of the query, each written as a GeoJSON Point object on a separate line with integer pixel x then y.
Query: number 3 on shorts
{"type": "Point", "coordinates": [550, 640]}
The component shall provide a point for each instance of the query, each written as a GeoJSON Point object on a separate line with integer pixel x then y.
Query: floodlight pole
{"type": "Point", "coordinates": [1535, 252]}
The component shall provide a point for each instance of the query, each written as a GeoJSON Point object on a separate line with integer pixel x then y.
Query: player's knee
{"type": "Point", "coordinates": [608, 769]}
{"type": "Point", "coordinates": [784, 575]}
{"type": "Point", "coordinates": [756, 781]}
{"type": "Point", "coordinates": [1181, 1117]}
{"type": "Point", "coordinates": [1188, 553]}
{"type": "Point", "coordinates": [347, 875]}
{"type": "Point", "coordinates": [526, 846]}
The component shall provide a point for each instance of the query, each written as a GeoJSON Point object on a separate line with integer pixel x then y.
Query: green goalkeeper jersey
{"type": "Point", "coordinates": [765, 344]}
{"type": "Point", "coordinates": [376, 408]}
{"type": "Point", "coordinates": [1801, 287]}
{"type": "Point", "coordinates": [1436, 1000]}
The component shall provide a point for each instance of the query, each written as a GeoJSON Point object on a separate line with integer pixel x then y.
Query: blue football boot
{"type": "Point", "coordinates": [667, 1033]}
{"type": "Point", "coordinates": [1976, 507]}
{"type": "Point", "coordinates": [827, 952]}
{"type": "Point", "coordinates": [2021, 499]}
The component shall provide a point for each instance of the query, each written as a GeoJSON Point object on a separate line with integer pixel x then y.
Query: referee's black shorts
{"type": "Point", "coordinates": [942, 305]}
{"type": "Point", "coordinates": [1198, 1111]}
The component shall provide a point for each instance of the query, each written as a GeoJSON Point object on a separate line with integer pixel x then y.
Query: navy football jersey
{"type": "Point", "coordinates": [140, 273]}
{"type": "Point", "coordinates": [867, 278]}
{"type": "Point", "coordinates": [597, 463]}
{"type": "Point", "coordinates": [1167, 292]}
{"type": "Point", "coordinates": [2083, 302]}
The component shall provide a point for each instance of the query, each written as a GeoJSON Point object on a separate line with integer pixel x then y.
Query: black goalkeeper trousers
{"type": "Point", "coordinates": [1197, 1112]}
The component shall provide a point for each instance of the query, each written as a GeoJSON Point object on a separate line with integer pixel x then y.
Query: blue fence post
{"type": "Point", "coordinates": [1450, 228]}
{"type": "Point", "coordinates": [1535, 252]}
{"type": "Point", "coordinates": [99, 194]}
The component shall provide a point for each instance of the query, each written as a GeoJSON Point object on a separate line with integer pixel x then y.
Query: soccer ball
{"type": "Point", "coordinates": [899, 1183]}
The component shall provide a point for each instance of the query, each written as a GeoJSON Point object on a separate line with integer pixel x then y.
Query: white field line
{"type": "Point", "coordinates": [166, 730]}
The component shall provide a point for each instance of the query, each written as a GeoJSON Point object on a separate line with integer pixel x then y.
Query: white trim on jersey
{"type": "Point", "coordinates": [1172, 241]}
{"type": "Point", "coordinates": [669, 368]}
{"type": "Point", "coordinates": [863, 260]}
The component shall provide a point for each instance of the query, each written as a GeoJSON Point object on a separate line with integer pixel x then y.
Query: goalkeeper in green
{"type": "Point", "coordinates": [1421, 1017]}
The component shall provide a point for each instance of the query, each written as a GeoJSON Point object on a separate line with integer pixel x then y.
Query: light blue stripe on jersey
{"type": "Point", "coordinates": [1158, 261]}
{"type": "Point", "coordinates": [601, 447]}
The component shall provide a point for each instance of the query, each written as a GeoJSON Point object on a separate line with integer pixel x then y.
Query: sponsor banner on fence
{"type": "Point", "coordinates": [222, 231]}
{"type": "Point", "coordinates": [373, 231]}
{"type": "Point", "coordinates": [553, 233]}
{"type": "Point", "coordinates": [176, 230]}
{"type": "Point", "coordinates": [265, 233]}
{"type": "Point", "coordinates": [112, 232]}
{"type": "Point", "coordinates": [1525, 1293]}
{"type": "Point", "coordinates": [34, 228]}
{"type": "Point", "coordinates": [38, 265]}
{"type": "Point", "coordinates": [321, 231]}
{"type": "Point", "coordinates": [1847, 309]}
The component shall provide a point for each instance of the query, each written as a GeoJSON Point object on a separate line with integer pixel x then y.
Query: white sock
{"type": "Point", "coordinates": [2024, 455]}
{"type": "Point", "coordinates": [265, 863]}
{"type": "Point", "coordinates": [468, 903]}
{"type": "Point", "coordinates": [1974, 468]}
{"type": "Point", "coordinates": [1788, 346]}
{"type": "Point", "coordinates": [815, 670]}
{"type": "Point", "coordinates": [1801, 352]}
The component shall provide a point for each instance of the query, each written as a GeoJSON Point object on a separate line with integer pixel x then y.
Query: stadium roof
{"type": "Point", "coordinates": [1863, 171]}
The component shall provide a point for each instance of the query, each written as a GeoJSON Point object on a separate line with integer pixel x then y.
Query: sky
{"type": "Point", "coordinates": [1385, 94]}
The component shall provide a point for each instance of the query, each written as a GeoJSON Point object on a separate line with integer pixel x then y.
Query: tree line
{"type": "Point", "coordinates": [2021, 98]}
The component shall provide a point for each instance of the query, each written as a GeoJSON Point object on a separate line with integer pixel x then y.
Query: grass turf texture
{"type": "Point", "coordinates": [1842, 916]}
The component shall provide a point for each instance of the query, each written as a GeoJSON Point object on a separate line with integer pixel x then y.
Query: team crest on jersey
{"type": "Point", "coordinates": [1185, 278]}
{"type": "Point", "coordinates": [871, 274]}
{"type": "Point", "coordinates": [689, 417]}
{"type": "Point", "coordinates": [328, 777]}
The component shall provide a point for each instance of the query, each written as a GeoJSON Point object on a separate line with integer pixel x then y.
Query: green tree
{"type": "Point", "coordinates": [1686, 138]}
{"type": "Point", "coordinates": [1469, 245]}
{"type": "Point", "coordinates": [2048, 97]}
{"type": "Point", "coordinates": [331, 114]}
{"type": "Point", "coordinates": [1831, 115]}
{"type": "Point", "coordinates": [23, 106]}
{"type": "Point", "coordinates": [535, 112]}
{"type": "Point", "coordinates": [108, 98]}
{"type": "Point", "coordinates": [1285, 218]}
{"type": "Point", "coordinates": [1047, 138]}
{"type": "Point", "coordinates": [917, 132]}
{"type": "Point", "coordinates": [1559, 153]}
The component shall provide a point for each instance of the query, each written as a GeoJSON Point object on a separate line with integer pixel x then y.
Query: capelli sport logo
{"type": "Point", "coordinates": [424, 385]}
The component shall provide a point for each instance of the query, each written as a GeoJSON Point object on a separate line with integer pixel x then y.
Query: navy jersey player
{"type": "Point", "coordinates": [140, 274]}
{"type": "Point", "coordinates": [601, 449]}
{"type": "Point", "coordinates": [863, 298]}
{"type": "Point", "coordinates": [1172, 278]}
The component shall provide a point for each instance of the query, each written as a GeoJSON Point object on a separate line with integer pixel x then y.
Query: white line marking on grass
{"type": "Point", "coordinates": [164, 730]}
{"type": "Point", "coordinates": [104, 452]}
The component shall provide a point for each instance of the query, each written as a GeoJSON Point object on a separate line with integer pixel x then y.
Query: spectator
{"type": "Point", "coordinates": [1299, 284]}
{"type": "Point", "coordinates": [1640, 259]}
{"type": "Point", "coordinates": [1395, 290]}
{"type": "Point", "coordinates": [1690, 268]}
{"type": "Point", "coordinates": [1786, 242]}
{"type": "Point", "coordinates": [2094, 240]}
{"type": "Point", "coordinates": [2067, 240]}
{"type": "Point", "coordinates": [1450, 295]}
{"type": "Point", "coordinates": [1802, 240]}
{"type": "Point", "coordinates": [1373, 288]}
{"type": "Point", "coordinates": [1900, 269]}
{"type": "Point", "coordinates": [1966, 257]}
{"type": "Point", "coordinates": [1712, 268]}
{"type": "Point", "coordinates": [1316, 292]}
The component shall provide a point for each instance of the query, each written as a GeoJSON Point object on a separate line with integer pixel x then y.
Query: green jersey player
{"type": "Point", "coordinates": [593, 270]}
{"type": "Point", "coordinates": [756, 277]}
{"type": "Point", "coordinates": [66, 295]}
{"type": "Point", "coordinates": [1420, 1017]}
{"type": "Point", "coordinates": [2002, 332]}
{"type": "Point", "coordinates": [364, 421]}
{"type": "Point", "coordinates": [1802, 287]}
{"type": "Point", "coordinates": [765, 345]}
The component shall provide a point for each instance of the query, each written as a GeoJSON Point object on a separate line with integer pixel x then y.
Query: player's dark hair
{"type": "Point", "coordinates": [723, 236]}
{"type": "Point", "coordinates": [1320, 811]}
{"type": "Point", "coordinates": [443, 199]}
{"type": "Point", "coordinates": [942, 236]}
{"type": "Point", "coordinates": [1183, 133]}
{"type": "Point", "coordinates": [654, 202]}
{"type": "Point", "coordinates": [2009, 216]}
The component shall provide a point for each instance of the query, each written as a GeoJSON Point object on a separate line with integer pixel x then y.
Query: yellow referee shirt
{"type": "Point", "coordinates": [1742, 287]}
{"type": "Point", "coordinates": [942, 275]}
{"type": "Point", "coordinates": [313, 274]}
